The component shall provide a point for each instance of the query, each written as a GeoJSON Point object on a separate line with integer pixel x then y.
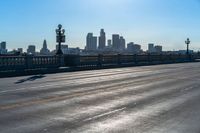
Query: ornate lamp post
{"type": "Point", "coordinates": [187, 42]}
{"type": "Point", "coordinates": [60, 37]}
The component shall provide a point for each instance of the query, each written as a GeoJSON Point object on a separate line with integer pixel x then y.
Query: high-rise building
{"type": "Point", "coordinates": [44, 50]}
{"type": "Point", "coordinates": [116, 41]}
{"type": "Point", "coordinates": [158, 49]}
{"type": "Point", "coordinates": [31, 49]}
{"type": "Point", "coordinates": [109, 43]}
{"type": "Point", "coordinates": [151, 48]}
{"type": "Point", "coordinates": [3, 49]}
{"type": "Point", "coordinates": [122, 43]}
{"type": "Point", "coordinates": [3, 45]}
{"type": "Point", "coordinates": [102, 39]}
{"type": "Point", "coordinates": [130, 47]}
{"type": "Point", "coordinates": [91, 42]}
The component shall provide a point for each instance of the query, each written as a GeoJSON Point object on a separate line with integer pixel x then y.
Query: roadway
{"type": "Point", "coordinates": [148, 99]}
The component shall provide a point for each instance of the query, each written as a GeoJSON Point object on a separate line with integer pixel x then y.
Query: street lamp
{"type": "Point", "coordinates": [187, 42]}
{"type": "Point", "coordinates": [60, 37]}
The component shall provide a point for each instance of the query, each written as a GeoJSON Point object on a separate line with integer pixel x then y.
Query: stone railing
{"type": "Point", "coordinates": [28, 62]}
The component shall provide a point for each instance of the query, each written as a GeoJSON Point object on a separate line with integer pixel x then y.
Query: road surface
{"type": "Point", "coordinates": [148, 99]}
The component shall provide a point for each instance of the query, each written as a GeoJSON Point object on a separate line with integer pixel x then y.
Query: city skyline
{"type": "Point", "coordinates": [167, 23]}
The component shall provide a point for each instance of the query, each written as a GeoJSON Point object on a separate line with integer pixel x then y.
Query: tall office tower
{"type": "Point", "coordinates": [151, 48]}
{"type": "Point", "coordinates": [94, 42]}
{"type": "Point", "coordinates": [44, 50]}
{"type": "Point", "coordinates": [116, 42]}
{"type": "Point", "coordinates": [109, 43]}
{"type": "Point", "coordinates": [3, 45]}
{"type": "Point", "coordinates": [3, 49]}
{"type": "Point", "coordinates": [91, 42]}
{"type": "Point", "coordinates": [102, 39]}
{"type": "Point", "coordinates": [31, 49]}
{"type": "Point", "coordinates": [122, 43]}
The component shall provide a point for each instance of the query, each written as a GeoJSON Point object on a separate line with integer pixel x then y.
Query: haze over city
{"type": "Point", "coordinates": [167, 22]}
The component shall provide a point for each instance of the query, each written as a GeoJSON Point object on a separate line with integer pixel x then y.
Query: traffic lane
{"type": "Point", "coordinates": [51, 93]}
{"type": "Point", "coordinates": [165, 91]}
{"type": "Point", "coordinates": [64, 92]}
{"type": "Point", "coordinates": [38, 90]}
{"type": "Point", "coordinates": [5, 83]}
{"type": "Point", "coordinates": [46, 91]}
{"type": "Point", "coordinates": [117, 110]}
{"type": "Point", "coordinates": [125, 118]}
{"type": "Point", "coordinates": [140, 117]}
{"type": "Point", "coordinates": [9, 82]}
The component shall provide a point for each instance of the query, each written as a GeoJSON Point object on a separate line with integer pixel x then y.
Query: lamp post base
{"type": "Point", "coordinates": [59, 52]}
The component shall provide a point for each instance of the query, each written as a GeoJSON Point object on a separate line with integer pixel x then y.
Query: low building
{"type": "Point", "coordinates": [158, 49]}
{"type": "Point", "coordinates": [133, 48]}
{"type": "Point", "coordinates": [31, 49]}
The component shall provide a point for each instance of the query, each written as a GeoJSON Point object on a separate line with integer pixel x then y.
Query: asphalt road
{"type": "Point", "coordinates": [150, 99]}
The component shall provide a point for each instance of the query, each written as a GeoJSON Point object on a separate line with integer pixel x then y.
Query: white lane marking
{"type": "Point", "coordinates": [104, 114]}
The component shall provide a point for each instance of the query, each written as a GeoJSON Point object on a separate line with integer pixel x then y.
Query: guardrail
{"type": "Point", "coordinates": [21, 63]}
{"type": "Point", "coordinates": [105, 60]}
{"type": "Point", "coordinates": [27, 62]}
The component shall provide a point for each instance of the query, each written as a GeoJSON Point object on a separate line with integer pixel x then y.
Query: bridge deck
{"type": "Point", "coordinates": [163, 98]}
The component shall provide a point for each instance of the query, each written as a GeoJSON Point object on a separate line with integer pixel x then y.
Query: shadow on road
{"type": "Point", "coordinates": [32, 78]}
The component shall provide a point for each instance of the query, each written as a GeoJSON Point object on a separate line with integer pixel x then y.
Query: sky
{"type": "Point", "coordinates": [163, 22]}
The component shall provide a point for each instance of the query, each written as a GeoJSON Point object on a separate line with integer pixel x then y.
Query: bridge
{"type": "Point", "coordinates": [23, 65]}
{"type": "Point", "coordinates": [145, 99]}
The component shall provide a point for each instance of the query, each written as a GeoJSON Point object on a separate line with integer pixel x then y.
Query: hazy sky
{"type": "Point", "coordinates": [163, 22]}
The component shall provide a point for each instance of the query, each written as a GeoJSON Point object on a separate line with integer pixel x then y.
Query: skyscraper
{"type": "Point", "coordinates": [102, 39]}
{"type": "Point", "coordinates": [44, 50]}
{"type": "Point", "coordinates": [3, 49]}
{"type": "Point", "coordinates": [151, 48]}
{"type": "Point", "coordinates": [109, 43]}
{"type": "Point", "coordinates": [130, 47]}
{"type": "Point", "coordinates": [3, 45]}
{"type": "Point", "coordinates": [122, 43]}
{"type": "Point", "coordinates": [91, 42]}
{"type": "Point", "coordinates": [116, 42]}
